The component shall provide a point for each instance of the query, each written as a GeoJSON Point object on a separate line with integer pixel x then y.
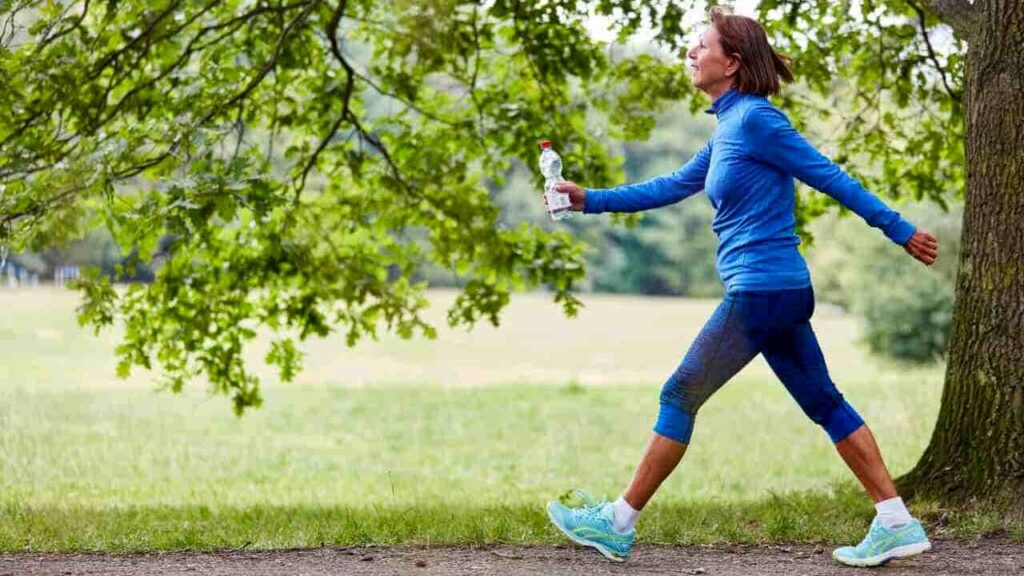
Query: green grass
{"type": "Point", "coordinates": [815, 517]}
{"type": "Point", "coordinates": [489, 426]}
{"type": "Point", "coordinates": [1017, 533]}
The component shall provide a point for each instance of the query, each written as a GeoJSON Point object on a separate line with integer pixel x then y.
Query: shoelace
{"type": "Point", "coordinates": [592, 513]}
{"type": "Point", "coordinates": [875, 530]}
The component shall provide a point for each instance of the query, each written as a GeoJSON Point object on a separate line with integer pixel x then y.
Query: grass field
{"type": "Point", "coordinates": [462, 439]}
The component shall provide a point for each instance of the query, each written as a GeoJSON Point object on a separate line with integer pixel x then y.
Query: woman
{"type": "Point", "coordinates": [747, 170]}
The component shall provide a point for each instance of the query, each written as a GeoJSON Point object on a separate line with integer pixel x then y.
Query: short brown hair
{"type": "Point", "coordinates": [761, 67]}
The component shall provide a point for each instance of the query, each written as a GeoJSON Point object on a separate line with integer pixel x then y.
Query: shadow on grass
{"type": "Point", "coordinates": [838, 516]}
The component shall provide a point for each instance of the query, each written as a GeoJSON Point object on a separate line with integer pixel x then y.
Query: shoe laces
{"type": "Point", "coordinates": [873, 531]}
{"type": "Point", "coordinates": [592, 513]}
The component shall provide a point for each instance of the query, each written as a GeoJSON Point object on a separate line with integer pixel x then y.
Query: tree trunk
{"type": "Point", "coordinates": [976, 453]}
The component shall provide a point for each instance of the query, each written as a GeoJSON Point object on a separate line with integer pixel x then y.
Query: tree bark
{"type": "Point", "coordinates": [976, 453]}
{"type": "Point", "coordinates": [956, 13]}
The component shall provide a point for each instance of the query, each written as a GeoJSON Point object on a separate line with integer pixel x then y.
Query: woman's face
{"type": "Point", "coordinates": [710, 68]}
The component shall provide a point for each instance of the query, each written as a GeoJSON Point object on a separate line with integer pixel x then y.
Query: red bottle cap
{"type": "Point", "coordinates": [545, 143]}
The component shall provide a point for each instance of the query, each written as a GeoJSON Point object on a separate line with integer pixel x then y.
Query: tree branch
{"type": "Point", "coordinates": [113, 56]}
{"type": "Point", "coordinates": [270, 65]}
{"type": "Point", "coordinates": [408, 103]}
{"type": "Point", "coordinates": [135, 169]}
{"type": "Point", "coordinates": [365, 135]}
{"type": "Point", "coordinates": [335, 44]}
{"type": "Point", "coordinates": [41, 207]}
{"type": "Point", "coordinates": [957, 13]}
{"type": "Point", "coordinates": [193, 47]}
{"type": "Point", "coordinates": [76, 24]}
{"type": "Point", "coordinates": [331, 29]}
{"type": "Point", "coordinates": [955, 95]}
{"type": "Point", "coordinates": [9, 26]}
{"type": "Point", "coordinates": [102, 119]}
{"type": "Point", "coordinates": [240, 126]}
{"type": "Point", "coordinates": [25, 125]}
{"type": "Point", "coordinates": [311, 163]}
{"type": "Point", "coordinates": [235, 100]}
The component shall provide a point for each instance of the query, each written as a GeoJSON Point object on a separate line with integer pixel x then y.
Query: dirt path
{"type": "Point", "coordinates": [992, 556]}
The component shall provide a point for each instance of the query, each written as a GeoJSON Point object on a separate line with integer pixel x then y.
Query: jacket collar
{"type": "Point", "coordinates": [724, 102]}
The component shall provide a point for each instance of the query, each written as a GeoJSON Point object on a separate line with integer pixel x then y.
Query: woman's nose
{"type": "Point", "coordinates": [692, 53]}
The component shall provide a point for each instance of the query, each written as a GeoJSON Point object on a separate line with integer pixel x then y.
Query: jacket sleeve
{"type": "Point", "coordinates": [773, 139]}
{"type": "Point", "coordinates": [653, 193]}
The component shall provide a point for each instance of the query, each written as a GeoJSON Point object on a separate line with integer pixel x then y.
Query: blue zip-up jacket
{"type": "Point", "coordinates": [747, 170]}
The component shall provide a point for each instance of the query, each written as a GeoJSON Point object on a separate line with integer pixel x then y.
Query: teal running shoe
{"type": "Point", "coordinates": [882, 544]}
{"type": "Point", "coordinates": [593, 526]}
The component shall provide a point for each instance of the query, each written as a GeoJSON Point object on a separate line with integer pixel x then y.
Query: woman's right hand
{"type": "Point", "coordinates": [923, 246]}
{"type": "Point", "coordinates": [577, 195]}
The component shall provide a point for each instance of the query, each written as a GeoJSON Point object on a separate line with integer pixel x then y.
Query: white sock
{"type": "Point", "coordinates": [892, 513]}
{"type": "Point", "coordinates": [625, 515]}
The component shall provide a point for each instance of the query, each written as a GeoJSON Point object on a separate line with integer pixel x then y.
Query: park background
{"type": "Point", "coordinates": [465, 437]}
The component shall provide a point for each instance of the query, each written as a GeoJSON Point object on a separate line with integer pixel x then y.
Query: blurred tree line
{"type": "Point", "coordinates": [97, 249]}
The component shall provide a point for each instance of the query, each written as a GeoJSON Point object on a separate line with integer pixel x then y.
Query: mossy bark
{"type": "Point", "coordinates": [976, 453]}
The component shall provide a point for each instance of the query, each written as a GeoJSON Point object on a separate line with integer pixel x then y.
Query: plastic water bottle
{"type": "Point", "coordinates": [551, 168]}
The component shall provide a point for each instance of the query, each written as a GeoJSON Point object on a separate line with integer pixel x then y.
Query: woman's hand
{"type": "Point", "coordinates": [923, 246]}
{"type": "Point", "coordinates": [577, 195]}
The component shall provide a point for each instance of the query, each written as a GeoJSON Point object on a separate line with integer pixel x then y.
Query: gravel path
{"type": "Point", "coordinates": [990, 556]}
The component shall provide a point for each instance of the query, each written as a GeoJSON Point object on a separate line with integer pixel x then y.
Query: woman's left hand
{"type": "Point", "coordinates": [923, 246]}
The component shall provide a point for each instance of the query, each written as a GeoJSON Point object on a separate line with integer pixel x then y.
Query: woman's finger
{"type": "Point", "coordinates": [919, 253]}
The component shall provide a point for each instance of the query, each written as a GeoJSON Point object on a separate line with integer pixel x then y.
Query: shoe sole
{"type": "Point", "coordinates": [599, 547]}
{"type": "Point", "coordinates": [898, 552]}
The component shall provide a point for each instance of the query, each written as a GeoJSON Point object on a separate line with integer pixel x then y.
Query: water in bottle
{"type": "Point", "coordinates": [551, 168]}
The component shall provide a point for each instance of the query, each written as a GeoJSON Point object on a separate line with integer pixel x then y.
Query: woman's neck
{"type": "Point", "coordinates": [716, 92]}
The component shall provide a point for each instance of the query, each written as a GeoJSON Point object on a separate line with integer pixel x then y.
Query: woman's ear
{"type": "Point", "coordinates": [733, 66]}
